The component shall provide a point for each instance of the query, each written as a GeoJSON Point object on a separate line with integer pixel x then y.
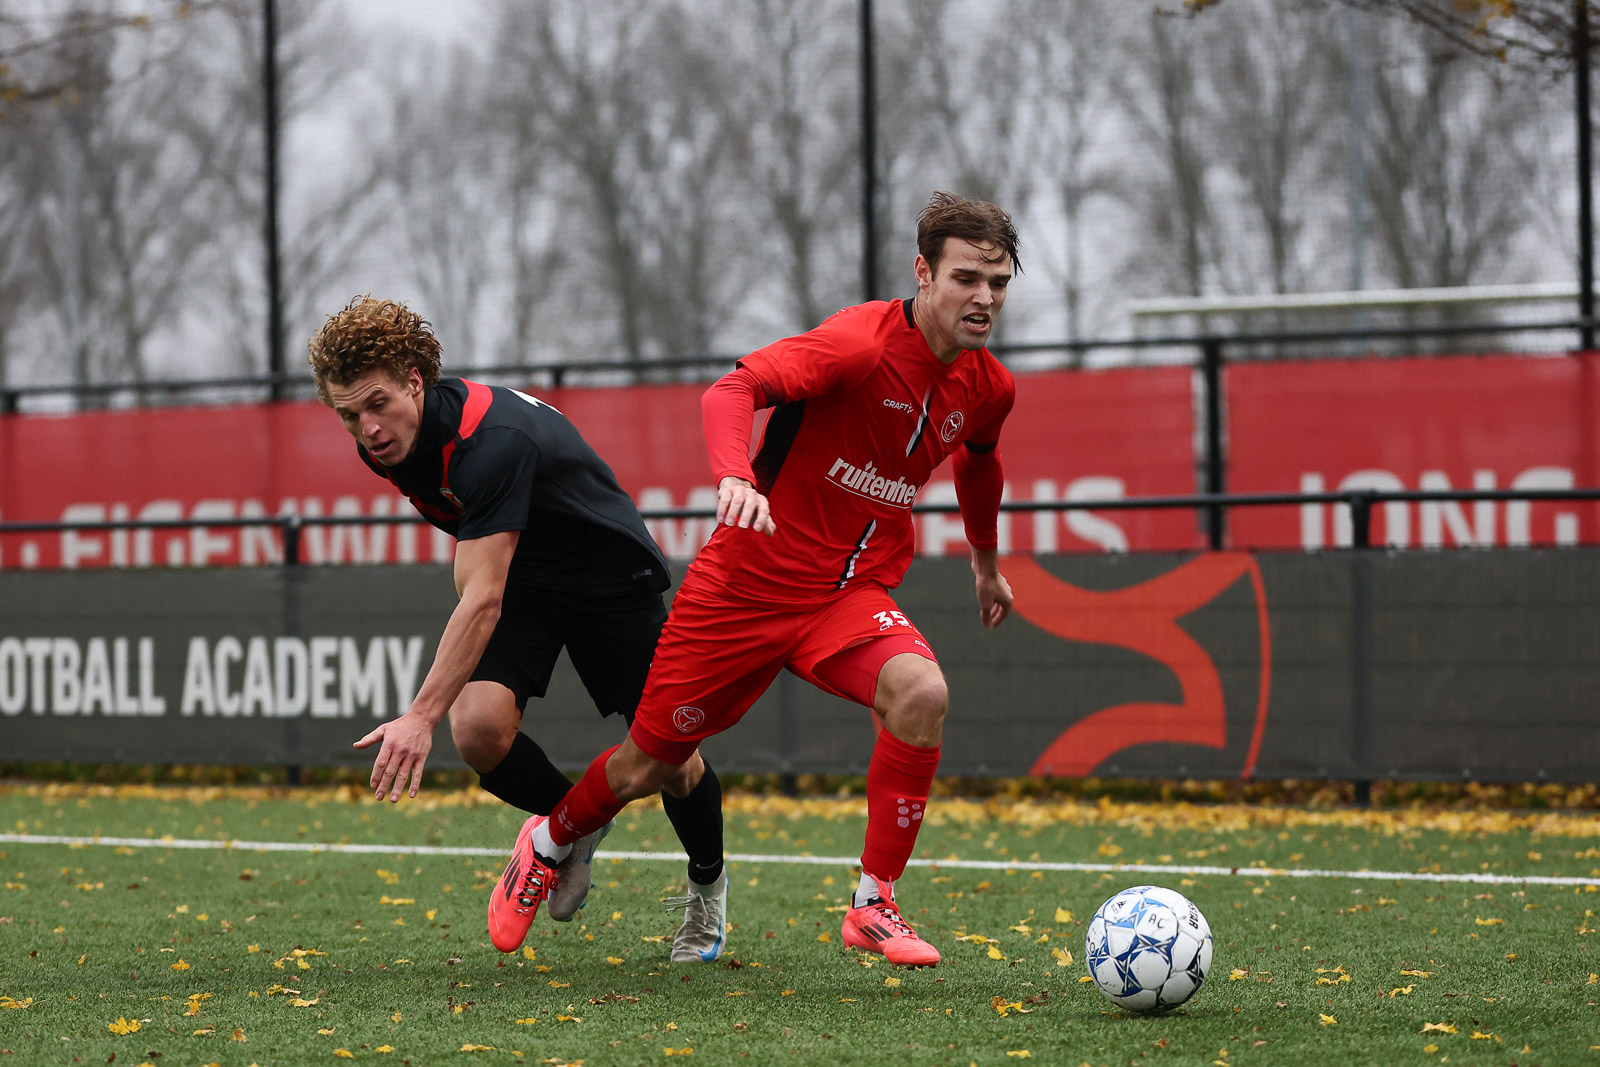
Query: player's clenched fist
{"type": "Point", "coordinates": [738, 504]}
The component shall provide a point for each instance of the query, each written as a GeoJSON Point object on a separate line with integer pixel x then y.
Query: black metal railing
{"type": "Point", "coordinates": [1361, 503]}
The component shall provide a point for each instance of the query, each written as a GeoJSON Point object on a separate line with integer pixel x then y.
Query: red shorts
{"type": "Point", "coordinates": [718, 655]}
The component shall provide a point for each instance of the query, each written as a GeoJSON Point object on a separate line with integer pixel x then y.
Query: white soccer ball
{"type": "Point", "coordinates": [1148, 948]}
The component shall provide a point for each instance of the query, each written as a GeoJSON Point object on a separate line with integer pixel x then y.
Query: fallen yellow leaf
{"type": "Point", "coordinates": [344, 1054]}
{"type": "Point", "coordinates": [892, 983]}
{"type": "Point", "coordinates": [1441, 1028]}
{"type": "Point", "coordinates": [1328, 1020]}
{"type": "Point", "coordinates": [123, 1026]}
{"type": "Point", "coordinates": [1063, 915]}
{"type": "Point", "coordinates": [180, 965]}
{"type": "Point", "coordinates": [1022, 1053]}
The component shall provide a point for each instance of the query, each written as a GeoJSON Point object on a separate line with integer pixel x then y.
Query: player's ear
{"type": "Point", "coordinates": [924, 273]}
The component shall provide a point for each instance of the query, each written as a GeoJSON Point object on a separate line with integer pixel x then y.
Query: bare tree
{"type": "Point", "coordinates": [437, 139]}
{"type": "Point", "coordinates": [629, 101]}
{"type": "Point", "coordinates": [1161, 92]}
{"type": "Point", "coordinates": [801, 152]}
{"type": "Point", "coordinates": [116, 198]}
{"type": "Point", "coordinates": [1451, 155]}
{"type": "Point", "coordinates": [327, 214]}
{"type": "Point", "coordinates": [1273, 85]}
{"type": "Point", "coordinates": [1071, 54]}
{"type": "Point", "coordinates": [1536, 34]}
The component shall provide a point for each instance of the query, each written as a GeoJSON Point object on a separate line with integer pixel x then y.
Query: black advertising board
{"type": "Point", "coordinates": [1445, 665]}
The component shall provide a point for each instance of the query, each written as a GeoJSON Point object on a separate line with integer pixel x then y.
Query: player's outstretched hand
{"type": "Point", "coordinates": [406, 743]}
{"type": "Point", "coordinates": [994, 596]}
{"type": "Point", "coordinates": [738, 504]}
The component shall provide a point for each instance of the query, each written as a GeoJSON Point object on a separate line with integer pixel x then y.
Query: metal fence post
{"type": "Point", "coordinates": [1215, 478]}
{"type": "Point", "coordinates": [1580, 50]}
{"type": "Point", "coordinates": [1361, 646]}
{"type": "Point", "coordinates": [292, 575]}
{"type": "Point", "coordinates": [787, 741]}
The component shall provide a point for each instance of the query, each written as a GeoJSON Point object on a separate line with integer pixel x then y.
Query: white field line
{"type": "Point", "coordinates": [821, 861]}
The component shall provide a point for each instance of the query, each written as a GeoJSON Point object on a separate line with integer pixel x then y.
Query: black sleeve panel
{"type": "Point", "coordinates": [493, 479]}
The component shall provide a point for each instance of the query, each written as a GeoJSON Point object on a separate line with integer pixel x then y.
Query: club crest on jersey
{"type": "Point", "coordinates": [867, 482]}
{"type": "Point", "coordinates": [688, 719]}
{"type": "Point", "coordinates": [952, 426]}
{"type": "Point", "coordinates": [445, 492]}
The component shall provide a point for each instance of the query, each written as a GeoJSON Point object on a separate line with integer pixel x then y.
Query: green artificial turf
{"type": "Point", "coordinates": [240, 957]}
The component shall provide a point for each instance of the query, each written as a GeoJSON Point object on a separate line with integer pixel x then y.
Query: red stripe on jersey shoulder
{"type": "Point", "coordinates": [479, 397]}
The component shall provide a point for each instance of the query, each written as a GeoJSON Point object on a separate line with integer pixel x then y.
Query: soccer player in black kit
{"type": "Point", "coordinates": [550, 552]}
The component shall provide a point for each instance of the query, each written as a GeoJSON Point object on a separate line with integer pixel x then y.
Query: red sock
{"type": "Point", "coordinates": [589, 806]}
{"type": "Point", "coordinates": [898, 779]}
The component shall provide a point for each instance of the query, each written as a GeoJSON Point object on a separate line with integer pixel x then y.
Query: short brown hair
{"type": "Point", "coordinates": [949, 215]}
{"type": "Point", "coordinates": [372, 333]}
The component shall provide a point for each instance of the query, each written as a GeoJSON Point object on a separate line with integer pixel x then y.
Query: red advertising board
{"type": "Point", "coordinates": [1073, 435]}
{"type": "Point", "coordinates": [1485, 422]}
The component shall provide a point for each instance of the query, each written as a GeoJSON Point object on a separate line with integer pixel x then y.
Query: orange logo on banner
{"type": "Point", "coordinates": [1144, 618]}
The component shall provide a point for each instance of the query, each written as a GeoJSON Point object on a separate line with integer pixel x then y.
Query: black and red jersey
{"type": "Point", "coordinates": [490, 459]}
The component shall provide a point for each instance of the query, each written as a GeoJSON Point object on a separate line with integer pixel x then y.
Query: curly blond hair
{"type": "Point", "coordinates": [370, 333]}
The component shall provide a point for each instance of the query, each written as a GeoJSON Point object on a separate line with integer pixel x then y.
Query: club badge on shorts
{"type": "Point", "coordinates": [688, 719]}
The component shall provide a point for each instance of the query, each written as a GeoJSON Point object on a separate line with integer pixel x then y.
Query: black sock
{"type": "Point", "coordinates": [526, 778]}
{"type": "Point", "coordinates": [698, 820]}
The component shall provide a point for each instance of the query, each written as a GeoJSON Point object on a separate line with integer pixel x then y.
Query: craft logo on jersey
{"type": "Point", "coordinates": [952, 426]}
{"type": "Point", "coordinates": [867, 482]}
{"type": "Point", "coordinates": [688, 719]}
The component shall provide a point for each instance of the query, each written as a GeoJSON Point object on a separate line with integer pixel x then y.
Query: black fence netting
{"type": "Point", "coordinates": [672, 178]}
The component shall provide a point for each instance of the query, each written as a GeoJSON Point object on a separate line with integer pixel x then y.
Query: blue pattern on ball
{"type": "Point", "coordinates": [1148, 948]}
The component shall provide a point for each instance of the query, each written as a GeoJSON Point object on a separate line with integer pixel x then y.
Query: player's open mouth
{"type": "Point", "coordinates": [979, 322]}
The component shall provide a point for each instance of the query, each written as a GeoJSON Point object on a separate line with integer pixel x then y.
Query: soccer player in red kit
{"type": "Point", "coordinates": [812, 535]}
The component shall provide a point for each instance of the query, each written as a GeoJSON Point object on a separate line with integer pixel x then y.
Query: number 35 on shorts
{"type": "Point", "coordinates": [888, 620]}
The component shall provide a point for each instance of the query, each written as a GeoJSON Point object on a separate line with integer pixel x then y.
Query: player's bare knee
{"type": "Point", "coordinates": [683, 780]}
{"type": "Point", "coordinates": [638, 776]}
{"type": "Point", "coordinates": [914, 710]}
{"type": "Point", "coordinates": [482, 745]}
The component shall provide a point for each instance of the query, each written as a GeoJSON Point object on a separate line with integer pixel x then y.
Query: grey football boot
{"type": "Point", "coordinates": [575, 875]}
{"type": "Point", "coordinates": [705, 922]}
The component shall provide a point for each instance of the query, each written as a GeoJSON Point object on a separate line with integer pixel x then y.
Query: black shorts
{"type": "Point", "coordinates": [610, 641]}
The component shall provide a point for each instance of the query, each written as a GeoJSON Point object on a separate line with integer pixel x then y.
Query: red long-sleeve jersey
{"type": "Point", "coordinates": [865, 412]}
